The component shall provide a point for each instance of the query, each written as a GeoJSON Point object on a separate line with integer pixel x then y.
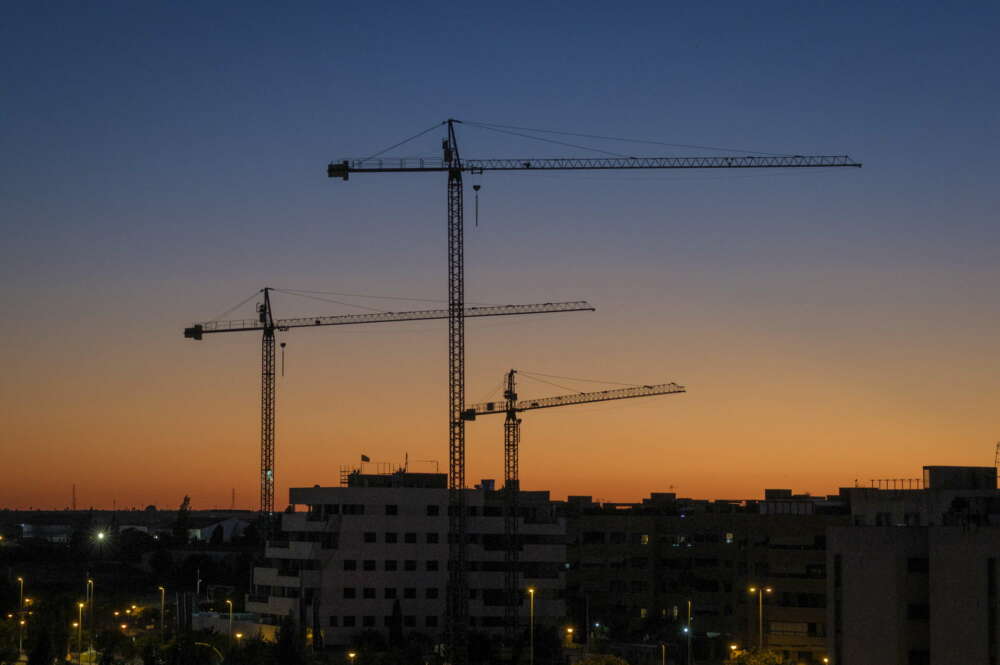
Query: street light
{"type": "Point", "coordinates": [687, 629]}
{"type": "Point", "coordinates": [79, 628]}
{"type": "Point", "coordinates": [351, 656]}
{"type": "Point", "coordinates": [531, 631]}
{"type": "Point", "coordinates": [760, 591]}
{"type": "Point", "coordinates": [90, 609]}
{"type": "Point", "coordinates": [230, 603]}
{"type": "Point", "coordinates": [163, 593]}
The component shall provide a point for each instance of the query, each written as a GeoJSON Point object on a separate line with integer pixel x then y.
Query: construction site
{"type": "Point", "coordinates": [413, 552]}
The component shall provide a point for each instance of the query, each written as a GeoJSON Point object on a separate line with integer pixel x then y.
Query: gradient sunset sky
{"type": "Point", "coordinates": [160, 162]}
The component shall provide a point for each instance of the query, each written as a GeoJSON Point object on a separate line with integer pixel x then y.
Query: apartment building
{"type": "Point", "coordinates": [375, 552]}
{"type": "Point", "coordinates": [635, 567]}
{"type": "Point", "coordinates": [913, 579]}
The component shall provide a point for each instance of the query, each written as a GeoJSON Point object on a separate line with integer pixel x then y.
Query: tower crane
{"type": "Point", "coordinates": [511, 441]}
{"type": "Point", "coordinates": [268, 325]}
{"type": "Point", "coordinates": [452, 164]}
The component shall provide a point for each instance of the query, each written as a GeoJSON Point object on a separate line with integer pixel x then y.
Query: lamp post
{"type": "Point", "coordinates": [663, 653]}
{"type": "Point", "coordinates": [79, 630]}
{"type": "Point", "coordinates": [90, 610]}
{"type": "Point", "coordinates": [351, 655]}
{"type": "Point", "coordinates": [163, 594]}
{"type": "Point", "coordinates": [688, 631]}
{"type": "Point", "coordinates": [230, 603]}
{"type": "Point", "coordinates": [760, 591]}
{"type": "Point", "coordinates": [20, 611]}
{"type": "Point", "coordinates": [531, 627]}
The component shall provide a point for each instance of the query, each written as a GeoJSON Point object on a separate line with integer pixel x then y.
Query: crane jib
{"type": "Point", "coordinates": [343, 168]}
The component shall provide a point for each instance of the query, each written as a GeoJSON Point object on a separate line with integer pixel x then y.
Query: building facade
{"type": "Point", "coordinates": [375, 553]}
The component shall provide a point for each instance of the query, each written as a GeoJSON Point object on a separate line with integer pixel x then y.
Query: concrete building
{"type": "Point", "coordinates": [635, 567]}
{"type": "Point", "coordinates": [357, 552]}
{"type": "Point", "coordinates": [913, 579]}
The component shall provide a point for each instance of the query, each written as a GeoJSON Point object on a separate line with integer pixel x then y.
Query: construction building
{"type": "Point", "coordinates": [373, 555]}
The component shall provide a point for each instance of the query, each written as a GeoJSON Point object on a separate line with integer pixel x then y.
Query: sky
{"type": "Point", "coordinates": [161, 162]}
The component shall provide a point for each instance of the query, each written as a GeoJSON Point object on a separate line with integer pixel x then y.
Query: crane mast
{"type": "Point", "coordinates": [454, 166]}
{"type": "Point", "coordinates": [267, 408]}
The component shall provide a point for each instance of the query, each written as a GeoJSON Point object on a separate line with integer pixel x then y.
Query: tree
{"type": "Point", "coordinates": [183, 522]}
{"type": "Point", "coordinates": [756, 657]}
{"type": "Point", "coordinates": [288, 650]}
{"type": "Point", "coordinates": [217, 535]}
{"type": "Point", "coordinates": [602, 659]}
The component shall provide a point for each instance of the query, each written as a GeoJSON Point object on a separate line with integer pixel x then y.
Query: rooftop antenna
{"type": "Point", "coordinates": [74, 496]}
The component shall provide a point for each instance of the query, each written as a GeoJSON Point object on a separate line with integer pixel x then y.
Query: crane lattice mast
{"type": "Point", "coordinates": [454, 166]}
{"type": "Point", "coordinates": [268, 325]}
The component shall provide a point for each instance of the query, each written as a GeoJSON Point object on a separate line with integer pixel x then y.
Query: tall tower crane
{"type": "Point", "coordinates": [511, 441]}
{"type": "Point", "coordinates": [452, 164]}
{"type": "Point", "coordinates": [268, 325]}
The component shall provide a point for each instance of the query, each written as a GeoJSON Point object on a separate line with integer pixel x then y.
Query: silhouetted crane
{"type": "Point", "coordinates": [511, 441]}
{"type": "Point", "coordinates": [268, 325]}
{"type": "Point", "coordinates": [452, 164]}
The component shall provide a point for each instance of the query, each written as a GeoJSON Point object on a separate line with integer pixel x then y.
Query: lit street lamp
{"type": "Point", "coordinates": [230, 603]}
{"type": "Point", "coordinates": [79, 629]}
{"type": "Point", "coordinates": [760, 591]}
{"type": "Point", "coordinates": [163, 593]}
{"type": "Point", "coordinates": [351, 655]}
{"type": "Point", "coordinates": [90, 610]}
{"type": "Point", "coordinates": [531, 631]}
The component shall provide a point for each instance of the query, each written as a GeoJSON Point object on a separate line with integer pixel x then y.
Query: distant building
{"type": "Point", "coordinates": [53, 533]}
{"type": "Point", "coordinates": [359, 550]}
{"type": "Point", "coordinates": [913, 579]}
{"type": "Point", "coordinates": [232, 528]}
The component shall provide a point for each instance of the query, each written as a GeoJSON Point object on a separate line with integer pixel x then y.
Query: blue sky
{"type": "Point", "coordinates": [163, 160]}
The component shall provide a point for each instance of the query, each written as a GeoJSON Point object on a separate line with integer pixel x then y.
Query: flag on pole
{"type": "Point", "coordinates": [365, 458]}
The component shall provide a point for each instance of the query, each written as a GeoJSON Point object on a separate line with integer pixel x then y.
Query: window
{"type": "Point", "coordinates": [353, 509]}
{"type": "Point", "coordinates": [368, 621]}
{"type": "Point", "coordinates": [390, 593]}
{"type": "Point", "coordinates": [643, 612]}
{"type": "Point", "coordinates": [370, 537]}
{"type": "Point", "coordinates": [433, 511]}
{"type": "Point", "coordinates": [369, 564]}
{"type": "Point", "coordinates": [350, 622]}
{"type": "Point", "coordinates": [644, 539]}
{"type": "Point", "coordinates": [350, 564]}
{"type": "Point", "coordinates": [369, 592]}
{"type": "Point", "coordinates": [729, 538]}
{"type": "Point", "coordinates": [431, 622]}
{"type": "Point", "coordinates": [391, 536]}
{"type": "Point", "coordinates": [390, 565]}
{"type": "Point", "coordinates": [432, 538]}
{"type": "Point", "coordinates": [431, 593]}
{"type": "Point", "coordinates": [918, 612]}
{"type": "Point", "coordinates": [410, 538]}
{"type": "Point", "coordinates": [409, 564]}
{"type": "Point", "coordinates": [409, 593]}
{"type": "Point", "coordinates": [333, 622]}
{"type": "Point", "coordinates": [350, 592]}
{"type": "Point", "coordinates": [410, 621]}
{"type": "Point", "coordinates": [617, 538]}
{"type": "Point", "coordinates": [432, 566]}
{"type": "Point", "coordinates": [917, 565]}
{"type": "Point", "coordinates": [391, 509]}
